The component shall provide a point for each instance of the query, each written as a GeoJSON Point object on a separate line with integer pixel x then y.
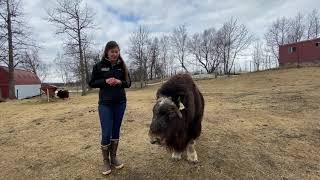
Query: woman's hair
{"type": "Point", "coordinates": [111, 45]}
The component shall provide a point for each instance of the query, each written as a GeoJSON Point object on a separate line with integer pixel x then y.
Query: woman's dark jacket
{"type": "Point", "coordinates": [104, 70]}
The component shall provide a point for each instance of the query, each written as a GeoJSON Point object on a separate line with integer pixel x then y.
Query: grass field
{"type": "Point", "coordinates": [263, 125]}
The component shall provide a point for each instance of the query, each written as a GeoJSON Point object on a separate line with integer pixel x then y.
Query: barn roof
{"type": "Point", "coordinates": [302, 42]}
{"type": "Point", "coordinates": [23, 77]}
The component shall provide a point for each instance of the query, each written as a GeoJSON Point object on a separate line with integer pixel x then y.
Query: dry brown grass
{"type": "Point", "coordinates": [256, 126]}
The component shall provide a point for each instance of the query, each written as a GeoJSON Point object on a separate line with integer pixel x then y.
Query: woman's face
{"type": "Point", "coordinates": [113, 54]}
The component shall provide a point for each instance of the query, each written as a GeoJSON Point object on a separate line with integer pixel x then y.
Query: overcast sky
{"type": "Point", "coordinates": [116, 19]}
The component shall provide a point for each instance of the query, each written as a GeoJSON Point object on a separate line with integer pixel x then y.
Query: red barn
{"type": "Point", "coordinates": [300, 53]}
{"type": "Point", "coordinates": [26, 84]}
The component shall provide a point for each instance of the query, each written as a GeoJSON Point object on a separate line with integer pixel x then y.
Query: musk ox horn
{"type": "Point", "coordinates": [181, 106]}
{"type": "Point", "coordinates": [179, 114]}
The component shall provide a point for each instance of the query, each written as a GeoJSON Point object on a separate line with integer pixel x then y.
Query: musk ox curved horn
{"type": "Point", "coordinates": [181, 105]}
{"type": "Point", "coordinates": [179, 114]}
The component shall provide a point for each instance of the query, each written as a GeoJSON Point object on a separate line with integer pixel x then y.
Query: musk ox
{"type": "Point", "coordinates": [63, 94]}
{"type": "Point", "coordinates": [177, 116]}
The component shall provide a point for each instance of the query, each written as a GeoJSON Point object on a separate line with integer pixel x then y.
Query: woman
{"type": "Point", "coordinates": [111, 76]}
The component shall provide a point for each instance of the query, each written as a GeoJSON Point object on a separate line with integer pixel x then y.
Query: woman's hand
{"type": "Point", "coordinates": [110, 81]}
{"type": "Point", "coordinates": [117, 81]}
{"type": "Point", "coordinates": [113, 81]}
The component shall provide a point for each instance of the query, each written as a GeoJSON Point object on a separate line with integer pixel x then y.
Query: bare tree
{"type": "Point", "coordinates": [31, 61]}
{"type": "Point", "coordinates": [71, 59]}
{"type": "Point", "coordinates": [276, 35]}
{"type": "Point", "coordinates": [313, 22]}
{"type": "Point", "coordinates": [14, 37]}
{"type": "Point", "coordinates": [172, 65]}
{"type": "Point", "coordinates": [71, 50]}
{"type": "Point", "coordinates": [296, 29]}
{"type": "Point", "coordinates": [195, 48]}
{"type": "Point", "coordinates": [258, 55]}
{"type": "Point", "coordinates": [72, 20]}
{"type": "Point", "coordinates": [269, 61]}
{"type": "Point", "coordinates": [86, 50]}
{"type": "Point", "coordinates": [91, 57]}
{"type": "Point", "coordinates": [43, 71]}
{"type": "Point", "coordinates": [153, 55]}
{"type": "Point", "coordinates": [138, 52]}
{"type": "Point", "coordinates": [234, 38]}
{"type": "Point", "coordinates": [164, 46]}
{"type": "Point", "coordinates": [179, 40]}
{"type": "Point", "coordinates": [205, 49]}
{"type": "Point", "coordinates": [63, 69]}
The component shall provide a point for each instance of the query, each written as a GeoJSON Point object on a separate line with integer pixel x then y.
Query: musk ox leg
{"type": "Point", "coordinates": [176, 155]}
{"type": "Point", "coordinates": [191, 152]}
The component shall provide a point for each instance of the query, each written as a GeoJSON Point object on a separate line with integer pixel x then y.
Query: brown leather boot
{"type": "Point", "coordinates": [113, 155]}
{"type": "Point", "coordinates": [106, 163]}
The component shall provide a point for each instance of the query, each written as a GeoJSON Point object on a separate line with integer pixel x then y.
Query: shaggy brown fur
{"type": "Point", "coordinates": [63, 94]}
{"type": "Point", "coordinates": [175, 130]}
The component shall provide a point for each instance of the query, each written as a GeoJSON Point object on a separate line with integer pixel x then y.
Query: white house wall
{"type": "Point", "coordinates": [25, 91]}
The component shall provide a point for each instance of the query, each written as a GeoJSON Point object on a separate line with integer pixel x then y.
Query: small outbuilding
{"type": "Point", "coordinates": [26, 83]}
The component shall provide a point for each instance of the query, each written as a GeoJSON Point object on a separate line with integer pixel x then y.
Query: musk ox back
{"type": "Point", "coordinates": [177, 116]}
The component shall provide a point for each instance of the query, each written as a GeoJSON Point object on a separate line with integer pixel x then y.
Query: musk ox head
{"type": "Point", "coordinates": [167, 127]}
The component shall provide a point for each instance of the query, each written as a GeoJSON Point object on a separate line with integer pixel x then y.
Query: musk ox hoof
{"type": "Point", "coordinates": [192, 157]}
{"type": "Point", "coordinates": [176, 156]}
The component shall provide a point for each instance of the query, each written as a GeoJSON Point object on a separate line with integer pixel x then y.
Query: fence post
{"type": "Point", "coordinates": [17, 93]}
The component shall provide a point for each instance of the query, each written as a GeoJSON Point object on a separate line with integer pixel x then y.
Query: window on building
{"type": "Point", "coordinates": [318, 44]}
{"type": "Point", "coordinates": [292, 50]}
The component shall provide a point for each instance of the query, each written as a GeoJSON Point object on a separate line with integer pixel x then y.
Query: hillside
{"type": "Point", "coordinates": [263, 125]}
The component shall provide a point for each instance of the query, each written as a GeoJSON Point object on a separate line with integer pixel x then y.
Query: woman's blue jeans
{"type": "Point", "coordinates": [110, 119]}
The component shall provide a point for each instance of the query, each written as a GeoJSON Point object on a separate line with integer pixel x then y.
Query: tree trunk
{"type": "Point", "coordinates": [141, 69]}
{"type": "Point", "coordinates": [82, 69]}
{"type": "Point", "coordinates": [141, 77]}
{"type": "Point", "coordinates": [182, 64]}
{"type": "Point", "coordinates": [151, 72]}
{"type": "Point", "coordinates": [228, 59]}
{"type": "Point", "coordinates": [145, 70]}
{"type": "Point", "coordinates": [86, 68]}
{"type": "Point", "coordinates": [11, 63]}
{"type": "Point", "coordinates": [225, 65]}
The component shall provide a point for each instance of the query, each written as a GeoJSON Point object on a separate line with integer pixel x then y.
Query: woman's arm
{"type": "Point", "coordinates": [126, 83]}
{"type": "Point", "coordinates": [96, 82]}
